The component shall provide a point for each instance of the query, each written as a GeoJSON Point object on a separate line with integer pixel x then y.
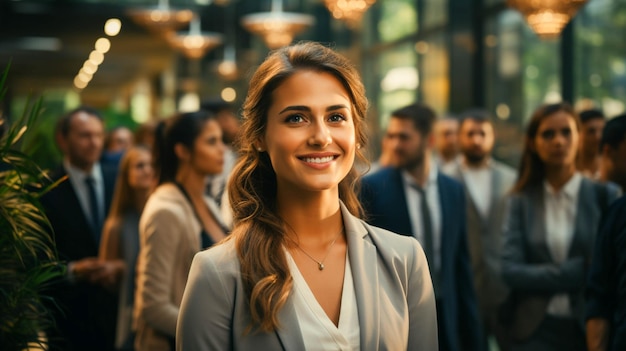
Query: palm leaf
{"type": "Point", "coordinates": [28, 258]}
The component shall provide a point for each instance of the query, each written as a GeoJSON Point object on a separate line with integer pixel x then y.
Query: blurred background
{"type": "Point", "coordinates": [142, 60]}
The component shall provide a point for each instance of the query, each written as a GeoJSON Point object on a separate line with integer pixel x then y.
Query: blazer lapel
{"type": "Point", "coordinates": [363, 261]}
{"type": "Point", "coordinates": [536, 217]}
{"type": "Point", "coordinates": [585, 213]}
{"type": "Point", "coordinates": [289, 333]}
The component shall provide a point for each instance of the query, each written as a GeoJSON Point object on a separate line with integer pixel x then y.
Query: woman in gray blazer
{"type": "Point", "coordinates": [178, 221]}
{"type": "Point", "coordinates": [552, 220]}
{"type": "Point", "coordinates": [300, 270]}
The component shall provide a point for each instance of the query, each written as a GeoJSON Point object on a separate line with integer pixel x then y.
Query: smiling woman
{"type": "Point", "coordinates": [300, 269]}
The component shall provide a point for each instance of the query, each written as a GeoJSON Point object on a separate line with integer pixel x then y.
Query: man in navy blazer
{"type": "Point", "coordinates": [414, 199]}
{"type": "Point", "coordinates": [87, 309]}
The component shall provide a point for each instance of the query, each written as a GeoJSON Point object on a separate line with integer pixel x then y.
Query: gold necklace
{"type": "Point", "coordinates": [320, 264]}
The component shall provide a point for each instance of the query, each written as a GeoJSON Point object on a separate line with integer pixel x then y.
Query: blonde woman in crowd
{"type": "Point", "coordinates": [120, 236]}
{"type": "Point", "coordinates": [552, 222]}
{"type": "Point", "coordinates": [178, 221]}
{"type": "Point", "coordinates": [301, 271]}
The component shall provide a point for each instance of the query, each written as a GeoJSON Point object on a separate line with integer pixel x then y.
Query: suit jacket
{"type": "Point", "coordinates": [527, 265]}
{"type": "Point", "coordinates": [394, 294]}
{"type": "Point", "coordinates": [385, 203]}
{"type": "Point", "coordinates": [87, 317]}
{"type": "Point", "coordinates": [169, 234]}
{"type": "Point", "coordinates": [485, 236]}
{"type": "Point", "coordinates": [606, 283]}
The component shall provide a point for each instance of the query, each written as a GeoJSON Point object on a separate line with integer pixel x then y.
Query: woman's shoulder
{"type": "Point", "coordinates": [222, 258]}
{"type": "Point", "coordinates": [165, 198]}
{"type": "Point", "coordinates": [390, 242]}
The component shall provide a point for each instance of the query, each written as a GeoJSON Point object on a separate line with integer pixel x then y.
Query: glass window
{"type": "Point", "coordinates": [398, 19]}
{"type": "Point", "coordinates": [521, 72]}
{"type": "Point", "coordinates": [600, 56]}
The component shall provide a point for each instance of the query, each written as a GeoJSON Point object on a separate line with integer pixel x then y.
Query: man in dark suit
{"type": "Point", "coordinates": [486, 182]}
{"type": "Point", "coordinates": [414, 199]}
{"type": "Point", "coordinates": [606, 284]}
{"type": "Point", "coordinates": [76, 209]}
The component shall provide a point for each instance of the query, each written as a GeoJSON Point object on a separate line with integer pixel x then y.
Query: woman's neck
{"type": "Point", "coordinates": [558, 176]}
{"type": "Point", "coordinates": [312, 217]}
{"type": "Point", "coordinates": [194, 183]}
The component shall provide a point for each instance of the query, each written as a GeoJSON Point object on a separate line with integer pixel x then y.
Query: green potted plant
{"type": "Point", "coordinates": [28, 259]}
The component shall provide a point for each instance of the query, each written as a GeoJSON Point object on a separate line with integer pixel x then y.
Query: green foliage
{"type": "Point", "coordinates": [28, 259]}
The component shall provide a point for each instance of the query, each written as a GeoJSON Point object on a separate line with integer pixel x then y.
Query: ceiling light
{"type": "Point", "coordinates": [547, 18]}
{"type": "Point", "coordinates": [349, 11]}
{"type": "Point", "coordinates": [96, 57]}
{"type": "Point", "coordinates": [277, 28]}
{"type": "Point", "coordinates": [195, 43]}
{"type": "Point", "coordinates": [112, 27]}
{"type": "Point", "coordinates": [103, 45]}
{"type": "Point", "coordinates": [162, 18]}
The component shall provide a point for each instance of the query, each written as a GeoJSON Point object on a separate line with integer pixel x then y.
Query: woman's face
{"type": "Point", "coordinates": [140, 171]}
{"type": "Point", "coordinates": [556, 141]}
{"type": "Point", "coordinates": [310, 134]}
{"type": "Point", "coordinates": [208, 153]}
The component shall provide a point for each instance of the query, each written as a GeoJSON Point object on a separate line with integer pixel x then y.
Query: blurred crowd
{"type": "Point", "coordinates": [520, 258]}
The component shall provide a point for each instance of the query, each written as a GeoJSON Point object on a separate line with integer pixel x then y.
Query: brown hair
{"type": "Point", "coordinates": [531, 170]}
{"type": "Point", "coordinates": [123, 200]}
{"type": "Point", "coordinates": [259, 231]}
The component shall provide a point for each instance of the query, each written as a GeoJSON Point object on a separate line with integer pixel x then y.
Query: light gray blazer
{"type": "Point", "coordinates": [484, 236]}
{"type": "Point", "coordinates": [394, 293]}
{"type": "Point", "coordinates": [527, 265]}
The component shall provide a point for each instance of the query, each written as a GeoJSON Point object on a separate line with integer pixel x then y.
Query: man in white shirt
{"type": "Point", "coordinates": [415, 199]}
{"type": "Point", "coordinates": [486, 182]}
{"type": "Point", "coordinates": [446, 150]}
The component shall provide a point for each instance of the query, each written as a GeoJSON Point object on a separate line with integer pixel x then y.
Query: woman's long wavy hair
{"type": "Point", "coordinates": [531, 171]}
{"type": "Point", "coordinates": [259, 231]}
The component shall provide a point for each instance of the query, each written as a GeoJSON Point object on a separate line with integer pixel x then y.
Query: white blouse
{"type": "Point", "coordinates": [318, 331]}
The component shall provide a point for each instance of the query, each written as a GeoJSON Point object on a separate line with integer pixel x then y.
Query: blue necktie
{"type": "Point", "coordinates": [427, 237]}
{"type": "Point", "coordinates": [96, 222]}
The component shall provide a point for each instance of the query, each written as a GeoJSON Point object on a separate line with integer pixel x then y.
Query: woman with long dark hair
{"type": "Point", "coordinates": [552, 221]}
{"type": "Point", "coordinates": [300, 270]}
{"type": "Point", "coordinates": [178, 221]}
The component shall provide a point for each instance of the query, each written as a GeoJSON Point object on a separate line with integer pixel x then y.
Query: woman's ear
{"type": "Point", "coordinates": [182, 152]}
{"type": "Point", "coordinates": [259, 146]}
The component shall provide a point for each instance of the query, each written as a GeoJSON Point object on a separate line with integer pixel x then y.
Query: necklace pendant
{"type": "Point", "coordinates": [320, 266]}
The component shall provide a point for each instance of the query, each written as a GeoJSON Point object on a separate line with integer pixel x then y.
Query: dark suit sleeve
{"type": "Point", "coordinates": [470, 327]}
{"type": "Point", "coordinates": [600, 291]}
{"type": "Point", "coordinates": [522, 275]}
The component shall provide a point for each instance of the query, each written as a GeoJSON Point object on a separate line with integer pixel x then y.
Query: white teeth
{"type": "Point", "coordinates": [318, 159]}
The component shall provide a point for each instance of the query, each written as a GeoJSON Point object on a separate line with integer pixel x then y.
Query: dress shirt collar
{"type": "Point", "coordinates": [80, 175]}
{"type": "Point", "coordinates": [570, 189]}
{"type": "Point", "coordinates": [432, 177]}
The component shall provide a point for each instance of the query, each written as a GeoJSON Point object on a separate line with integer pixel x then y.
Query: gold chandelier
{"type": "Point", "coordinates": [161, 18]}
{"type": "Point", "coordinates": [195, 43]}
{"type": "Point", "coordinates": [547, 18]}
{"type": "Point", "coordinates": [349, 11]}
{"type": "Point", "coordinates": [276, 28]}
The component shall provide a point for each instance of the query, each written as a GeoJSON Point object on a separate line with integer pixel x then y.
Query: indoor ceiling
{"type": "Point", "coordinates": [47, 43]}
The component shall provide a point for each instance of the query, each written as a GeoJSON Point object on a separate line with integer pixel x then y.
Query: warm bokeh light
{"type": "Point", "coordinates": [84, 76]}
{"type": "Point", "coordinates": [229, 94]}
{"type": "Point", "coordinates": [90, 67]}
{"type": "Point", "coordinates": [103, 45]}
{"type": "Point", "coordinates": [112, 27]}
{"type": "Point", "coordinates": [79, 83]}
{"type": "Point", "coordinates": [96, 57]}
{"type": "Point", "coordinates": [503, 111]}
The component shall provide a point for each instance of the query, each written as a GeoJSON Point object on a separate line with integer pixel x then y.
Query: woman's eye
{"type": "Point", "coordinates": [336, 118]}
{"type": "Point", "coordinates": [295, 119]}
{"type": "Point", "coordinates": [548, 134]}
